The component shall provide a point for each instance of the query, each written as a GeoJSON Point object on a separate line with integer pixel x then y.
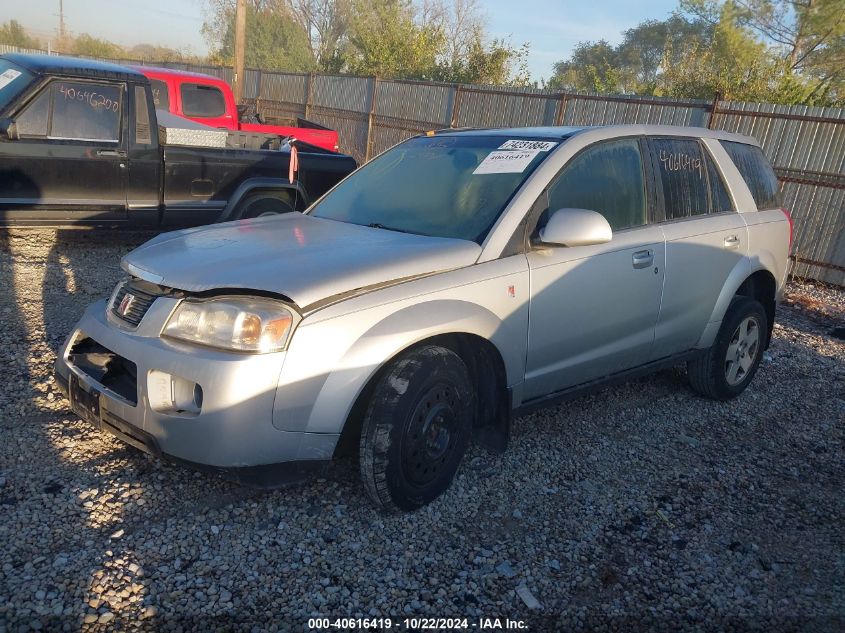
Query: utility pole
{"type": "Point", "coordinates": [62, 31]}
{"type": "Point", "coordinates": [240, 44]}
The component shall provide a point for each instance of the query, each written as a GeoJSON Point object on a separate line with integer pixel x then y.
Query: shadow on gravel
{"type": "Point", "coordinates": [81, 262]}
{"type": "Point", "coordinates": [52, 465]}
{"type": "Point", "coordinates": [14, 354]}
{"type": "Point", "coordinates": [640, 500]}
{"type": "Point", "coordinates": [88, 523]}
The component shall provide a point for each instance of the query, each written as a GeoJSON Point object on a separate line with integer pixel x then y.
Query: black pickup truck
{"type": "Point", "coordinates": [80, 144]}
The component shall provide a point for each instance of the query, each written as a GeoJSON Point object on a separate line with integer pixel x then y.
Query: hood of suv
{"type": "Point", "coordinates": [306, 259]}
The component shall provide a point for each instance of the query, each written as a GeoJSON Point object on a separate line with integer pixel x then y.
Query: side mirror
{"type": "Point", "coordinates": [8, 129]}
{"type": "Point", "coordinates": [575, 227]}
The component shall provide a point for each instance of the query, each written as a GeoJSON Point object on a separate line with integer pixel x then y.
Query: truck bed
{"type": "Point", "coordinates": [195, 195]}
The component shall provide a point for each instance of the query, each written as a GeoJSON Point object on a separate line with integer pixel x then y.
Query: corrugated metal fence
{"type": "Point", "coordinates": [805, 144]}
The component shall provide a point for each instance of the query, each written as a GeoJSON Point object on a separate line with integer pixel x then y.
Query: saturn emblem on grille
{"type": "Point", "coordinates": [125, 304]}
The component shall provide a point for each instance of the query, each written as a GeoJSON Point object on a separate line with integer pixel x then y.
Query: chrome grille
{"type": "Point", "coordinates": [130, 304]}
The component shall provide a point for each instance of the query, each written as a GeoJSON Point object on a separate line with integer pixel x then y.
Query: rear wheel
{"type": "Point", "coordinates": [416, 428]}
{"type": "Point", "coordinates": [264, 203]}
{"type": "Point", "coordinates": [725, 370]}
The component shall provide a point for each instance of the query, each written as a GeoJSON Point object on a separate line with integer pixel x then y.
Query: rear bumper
{"type": "Point", "coordinates": [231, 430]}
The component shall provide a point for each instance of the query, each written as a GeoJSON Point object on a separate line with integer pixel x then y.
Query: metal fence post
{"type": "Point", "coordinates": [562, 101]}
{"type": "Point", "coordinates": [308, 93]}
{"type": "Point", "coordinates": [259, 80]}
{"type": "Point", "coordinates": [371, 119]}
{"type": "Point", "coordinates": [714, 109]}
{"type": "Point", "coordinates": [456, 107]}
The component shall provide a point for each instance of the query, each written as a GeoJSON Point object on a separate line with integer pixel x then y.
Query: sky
{"type": "Point", "coordinates": [551, 27]}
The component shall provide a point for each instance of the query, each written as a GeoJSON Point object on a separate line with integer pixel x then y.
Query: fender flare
{"type": "Point", "coordinates": [251, 184]}
{"type": "Point", "coordinates": [742, 271]}
{"type": "Point", "coordinates": [335, 396]}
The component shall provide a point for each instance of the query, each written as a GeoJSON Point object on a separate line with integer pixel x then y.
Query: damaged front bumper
{"type": "Point", "coordinates": [209, 408]}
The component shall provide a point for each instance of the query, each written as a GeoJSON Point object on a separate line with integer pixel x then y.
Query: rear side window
{"type": "Point", "coordinates": [202, 101]}
{"type": "Point", "coordinates": [682, 168]}
{"type": "Point", "coordinates": [161, 98]}
{"type": "Point", "coordinates": [757, 173]}
{"type": "Point", "coordinates": [607, 178]}
{"type": "Point", "coordinates": [720, 200]}
{"type": "Point", "coordinates": [142, 117]}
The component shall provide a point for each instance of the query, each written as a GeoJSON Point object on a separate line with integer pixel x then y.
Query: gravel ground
{"type": "Point", "coordinates": [641, 505]}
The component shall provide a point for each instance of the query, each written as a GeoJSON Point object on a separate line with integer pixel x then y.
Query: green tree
{"type": "Point", "coordinates": [643, 48]}
{"type": "Point", "coordinates": [593, 67]}
{"type": "Point", "coordinates": [13, 34]}
{"type": "Point", "coordinates": [273, 42]}
{"type": "Point", "coordinates": [467, 54]}
{"type": "Point", "coordinates": [89, 46]}
{"type": "Point", "coordinates": [274, 39]}
{"type": "Point", "coordinates": [782, 51]}
{"type": "Point", "coordinates": [154, 53]}
{"type": "Point", "coordinates": [495, 63]}
{"type": "Point", "coordinates": [732, 64]}
{"type": "Point", "coordinates": [326, 23]}
{"type": "Point", "coordinates": [430, 39]}
{"type": "Point", "coordinates": [385, 39]}
{"type": "Point", "coordinates": [806, 36]}
{"type": "Point", "coordinates": [636, 63]}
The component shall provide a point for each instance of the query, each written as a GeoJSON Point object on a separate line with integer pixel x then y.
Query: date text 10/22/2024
{"type": "Point", "coordinates": [417, 624]}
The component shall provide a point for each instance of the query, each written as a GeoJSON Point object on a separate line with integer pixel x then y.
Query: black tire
{"type": "Point", "coordinates": [263, 203]}
{"type": "Point", "coordinates": [416, 428]}
{"type": "Point", "coordinates": [710, 374]}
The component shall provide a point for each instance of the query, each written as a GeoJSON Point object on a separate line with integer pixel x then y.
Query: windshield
{"type": "Point", "coordinates": [13, 81]}
{"type": "Point", "coordinates": [442, 186]}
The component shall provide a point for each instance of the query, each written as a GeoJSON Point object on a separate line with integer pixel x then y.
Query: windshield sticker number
{"type": "Point", "coordinates": [505, 162]}
{"type": "Point", "coordinates": [539, 146]}
{"type": "Point", "coordinates": [8, 77]}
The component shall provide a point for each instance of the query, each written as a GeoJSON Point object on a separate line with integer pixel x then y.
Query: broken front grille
{"type": "Point", "coordinates": [130, 303]}
{"type": "Point", "coordinates": [111, 370]}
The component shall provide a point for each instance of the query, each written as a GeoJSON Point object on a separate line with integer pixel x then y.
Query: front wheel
{"type": "Point", "coordinates": [416, 428]}
{"type": "Point", "coordinates": [725, 370]}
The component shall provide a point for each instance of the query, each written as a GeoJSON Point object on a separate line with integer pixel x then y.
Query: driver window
{"type": "Point", "coordinates": [76, 111]}
{"type": "Point", "coordinates": [607, 178]}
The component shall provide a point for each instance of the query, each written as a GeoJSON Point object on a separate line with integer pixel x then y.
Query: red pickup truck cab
{"type": "Point", "coordinates": [209, 100]}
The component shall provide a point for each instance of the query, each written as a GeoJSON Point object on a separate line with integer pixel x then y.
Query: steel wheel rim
{"type": "Point", "coordinates": [431, 435]}
{"type": "Point", "coordinates": [742, 351]}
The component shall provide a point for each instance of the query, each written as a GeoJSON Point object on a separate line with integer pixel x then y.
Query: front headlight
{"type": "Point", "coordinates": [243, 324]}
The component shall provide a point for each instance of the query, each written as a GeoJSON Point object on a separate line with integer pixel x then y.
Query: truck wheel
{"type": "Point", "coordinates": [725, 370]}
{"type": "Point", "coordinates": [262, 204]}
{"type": "Point", "coordinates": [416, 428]}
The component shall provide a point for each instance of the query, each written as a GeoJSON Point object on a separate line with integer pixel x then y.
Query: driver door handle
{"type": "Point", "coordinates": [643, 259]}
{"type": "Point", "coordinates": [115, 153]}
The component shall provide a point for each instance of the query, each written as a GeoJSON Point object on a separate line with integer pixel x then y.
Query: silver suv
{"type": "Point", "coordinates": [457, 279]}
